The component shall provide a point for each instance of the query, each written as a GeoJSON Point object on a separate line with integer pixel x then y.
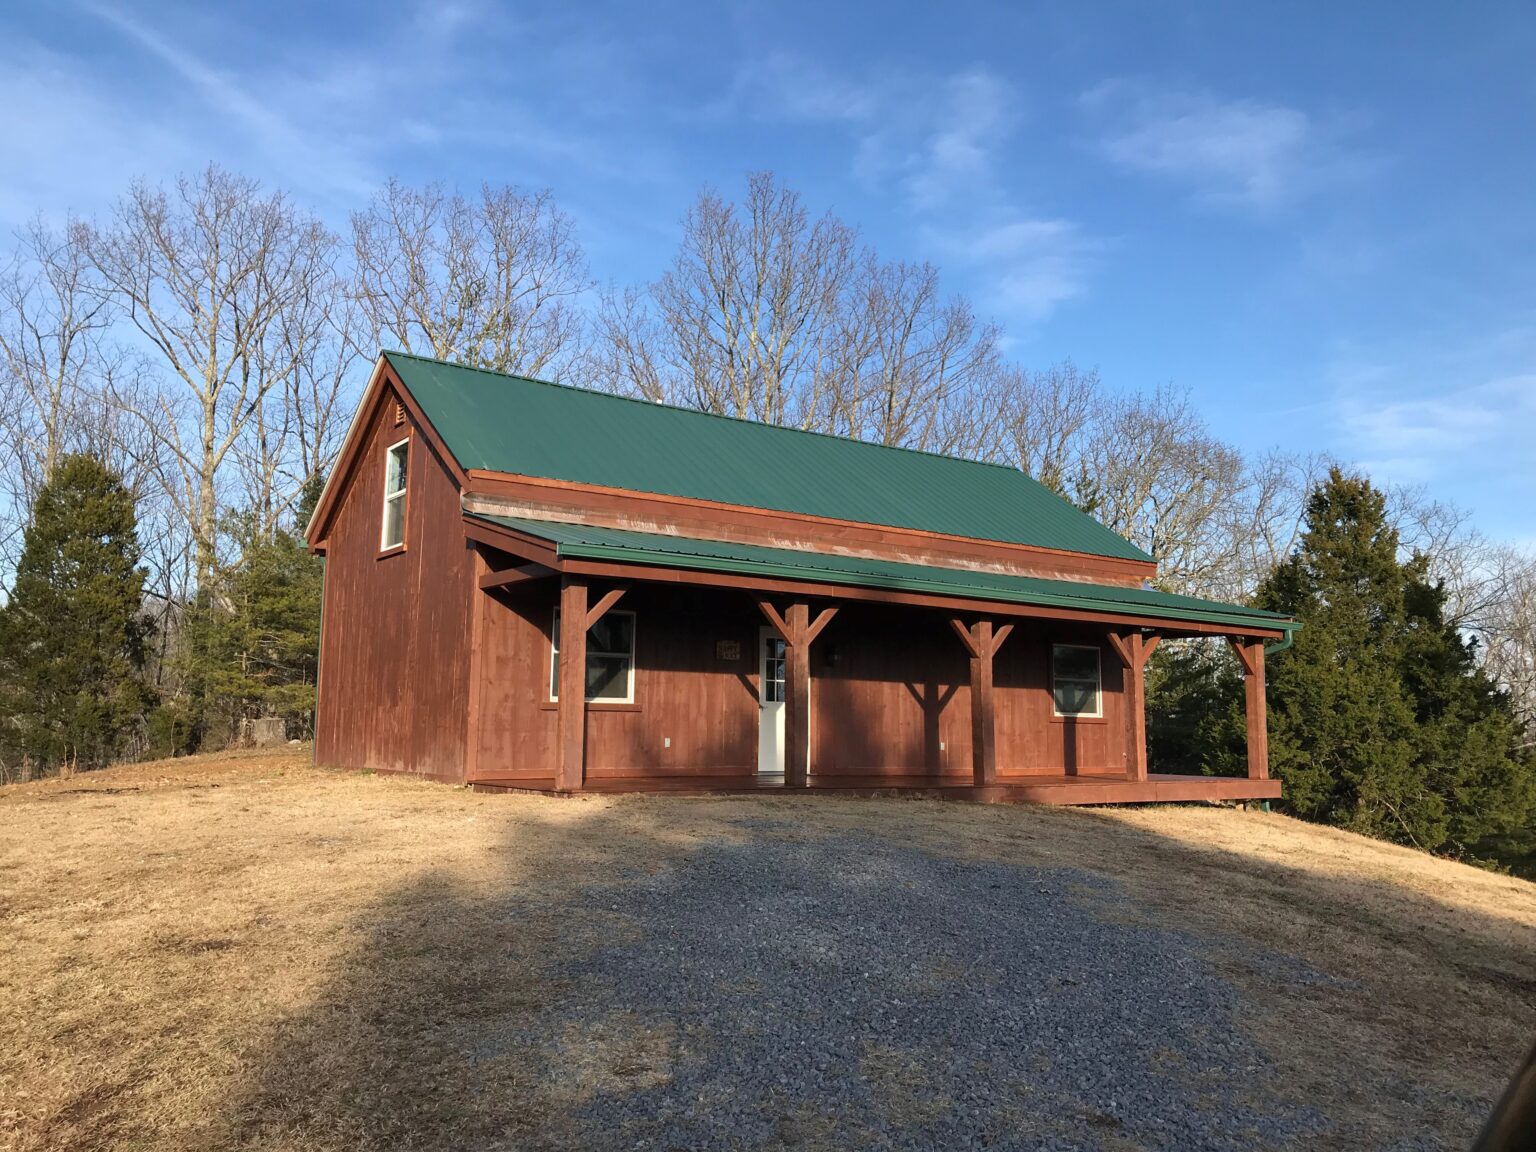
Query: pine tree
{"type": "Point", "coordinates": [254, 650]}
{"type": "Point", "coordinates": [1379, 719]}
{"type": "Point", "coordinates": [72, 632]}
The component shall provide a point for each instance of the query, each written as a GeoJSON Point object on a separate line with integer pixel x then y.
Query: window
{"type": "Point", "coordinates": [773, 670]}
{"type": "Point", "coordinates": [610, 659]}
{"type": "Point", "coordinates": [394, 496]}
{"type": "Point", "coordinates": [1075, 680]}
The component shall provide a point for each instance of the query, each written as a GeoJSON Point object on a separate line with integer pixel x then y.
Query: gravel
{"type": "Point", "coordinates": [845, 992]}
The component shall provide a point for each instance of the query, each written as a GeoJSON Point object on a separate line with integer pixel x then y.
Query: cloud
{"type": "Point", "coordinates": [1236, 152]}
{"type": "Point", "coordinates": [1028, 267]}
{"type": "Point", "coordinates": [958, 142]}
{"type": "Point", "coordinates": [783, 87]}
{"type": "Point", "coordinates": [1461, 432]}
{"type": "Point", "coordinates": [936, 137]}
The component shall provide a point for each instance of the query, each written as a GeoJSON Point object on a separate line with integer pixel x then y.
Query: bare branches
{"type": "Point", "coordinates": [493, 282]}
{"type": "Point", "coordinates": [767, 314]}
{"type": "Point", "coordinates": [217, 278]}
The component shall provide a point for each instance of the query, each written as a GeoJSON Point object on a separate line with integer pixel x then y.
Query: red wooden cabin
{"type": "Point", "coordinates": [535, 586]}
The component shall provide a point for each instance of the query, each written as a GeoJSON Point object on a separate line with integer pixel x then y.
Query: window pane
{"type": "Point", "coordinates": [394, 522]}
{"type": "Point", "coordinates": [613, 633]}
{"type": "Point", "coordinates": [1076, 698]}
{"type": "Point", "coordinates": [607, 677]}
{"type": "Point", "coordinates": [397, 464]}
{"type": "Point", "coordinates": [1076, 663]}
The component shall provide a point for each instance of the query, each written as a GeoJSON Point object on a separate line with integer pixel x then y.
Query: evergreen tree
{"type": "Point", "coordinates": [253, 650]}
{"type": "Point", "coordinates": [1379, 719]}
{"type": "Point", "coordinates": [72, 632]}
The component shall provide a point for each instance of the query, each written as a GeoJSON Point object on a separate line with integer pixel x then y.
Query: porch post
{"type": "Point", "coordinates": [571, 741]}
{"type": "Point", "coordinates": [982, 643]}
{"type": "Point", "coordinates": [798, 630]}
{"type": "Point", "coordinates": [797, 697]}
{"type": "Point", "coordinates": [1134, 651]}
{"type": "Point", "coordinates": [1251, 655]}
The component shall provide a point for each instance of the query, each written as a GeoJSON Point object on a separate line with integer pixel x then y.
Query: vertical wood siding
{"type": "Point", "coordinates": [889, 686]}
{"type": "Point", "coordinates": [394, 661]}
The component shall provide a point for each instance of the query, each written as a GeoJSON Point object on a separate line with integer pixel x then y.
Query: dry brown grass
{"type": "Point", "coordinates": [244, 951]}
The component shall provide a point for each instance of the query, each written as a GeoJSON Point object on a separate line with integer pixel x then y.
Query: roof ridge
{"type": "Point", "coordinates": [724, 416]}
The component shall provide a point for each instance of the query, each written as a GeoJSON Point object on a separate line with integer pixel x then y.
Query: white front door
{"type": "Point", "coordinates": [770, 700]}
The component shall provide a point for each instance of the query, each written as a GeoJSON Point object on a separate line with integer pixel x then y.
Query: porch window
{"type": "Point", "coordinates": [394, 496]}
{"type": "Point", "coordinates": [610, 659]}
{"type": "Point", "coordinates": [1075, 685]}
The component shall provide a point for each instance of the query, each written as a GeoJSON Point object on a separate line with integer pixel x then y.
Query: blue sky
{"type": "Point", "coordinates": [1318, 218]}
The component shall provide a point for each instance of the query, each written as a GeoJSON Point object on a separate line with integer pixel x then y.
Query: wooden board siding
{"type": "Point", "coordinates": [498, 493]}
{"type": "Point", "coordinates": [394, 661]}
{"type": "Point", "coordinates": [890, 696]}
{"type": "Point", "coordinates": [889, 686]}
{"type": "Point", "coordinates": [684, 691]}
{"type": "Point", "coordinates": [1030, 738]}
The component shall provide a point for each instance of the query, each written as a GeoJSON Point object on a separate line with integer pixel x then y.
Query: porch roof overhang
{"type": "Point", "coordinates": [595, 551]}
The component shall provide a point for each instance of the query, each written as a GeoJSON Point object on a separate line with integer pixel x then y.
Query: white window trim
{"type": "Point", "coordinates": [1098, 685]}
{"type": "Point", "coordinates": [554, 660]}
{"type": "Point", "coordinates": [389, 455]}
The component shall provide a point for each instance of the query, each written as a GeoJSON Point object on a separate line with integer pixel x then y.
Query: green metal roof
{"type": "Point", "coordinates": [533, 428]}
{"type": "Point", "coordinates": [579, 541]}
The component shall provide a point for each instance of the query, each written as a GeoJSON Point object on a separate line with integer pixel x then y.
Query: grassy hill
{"type": "Point", "coordinates": [244, 951]}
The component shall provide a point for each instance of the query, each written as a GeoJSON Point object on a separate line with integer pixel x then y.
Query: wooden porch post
{"type": "Point", "coordinates": [476, 666]}
{"type": "Point", "coordinates": [798, 631]}
{"type": "Point", "coordinates": [1250, 654]}
{"type": "Point", "coordinates": [1134, 650]}
{"type": "Point", "coordinates": [575, 619]}
{"type": "Point", "coordinates": [982, 642]}
{"type": "Point", "coordinates": [571, 744]}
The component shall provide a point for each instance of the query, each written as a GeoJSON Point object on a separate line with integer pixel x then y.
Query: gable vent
{"type": "Point", "coordinates": [399, 413]}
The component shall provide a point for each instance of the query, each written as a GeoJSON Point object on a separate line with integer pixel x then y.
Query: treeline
{"type": "Point", "coordinates": [204, 343]}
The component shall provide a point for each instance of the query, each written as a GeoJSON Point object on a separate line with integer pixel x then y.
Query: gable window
{"type": "Point", "coordinates": [610, 659]}
{"type": "Point", "coordinates": [394, 496]}
{"type": "Point", "coordinates": [1075, 684]}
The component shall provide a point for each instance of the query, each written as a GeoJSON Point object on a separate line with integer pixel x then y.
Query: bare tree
{"type": "Point", "coordinates": [495, 282]}
{"type": "Point", "coordinates": [768, 314]}
{"type": "Point", "coordinates": [61, 376]}
{"type": "Point", "coordinates": [1508, 634]}
{"type": "Point", "coordinates": [209, 275]}
{"type": "Point", "coordinates": [916, 366]}
{"type": "Point", "coordinates": [752, 310]}
{"type": "Point", "coordinates": [1045, 416]}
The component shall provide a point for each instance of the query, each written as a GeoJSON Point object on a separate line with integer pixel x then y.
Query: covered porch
{"type": "Point", "coordinates": [847, 675]}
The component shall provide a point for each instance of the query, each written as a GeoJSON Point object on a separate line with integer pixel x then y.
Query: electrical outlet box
{"type": "Point", "coordinates": [666, 741]}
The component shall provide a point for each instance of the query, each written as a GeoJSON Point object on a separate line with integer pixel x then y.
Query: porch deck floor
{"type": "Point", "coordinates": [1040, 789]}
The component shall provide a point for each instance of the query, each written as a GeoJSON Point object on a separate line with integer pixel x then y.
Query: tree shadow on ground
{"type": "Point", "coordinates": [676, 974]}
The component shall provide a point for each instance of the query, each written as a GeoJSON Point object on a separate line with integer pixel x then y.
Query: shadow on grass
{"type": "Point", "coordinates": [619, 980]}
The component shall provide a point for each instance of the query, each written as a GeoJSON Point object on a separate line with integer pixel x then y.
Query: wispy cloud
{"type": "Point", "coordinates": [783, 87]}
{"type": "Point", "coordinates": [1237, 152]}
{"type": "Point", "coordinates": [943, 146]}
{"type": "Point", "coordinates": [1474, 430]}
{"type": "Point", "coordinates": [1030, 266]}
{"type": "Point", "coordinates": [937, 141]}
{"type": "Point", "coordinates": [936, 136]}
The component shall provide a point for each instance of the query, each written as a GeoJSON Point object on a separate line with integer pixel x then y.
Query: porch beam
{"type": "Point", "coordinates": [1250, 654]}
{"type": "Point", "coordinates": [571, 725]}
{"type": "Point", "coordinates": [823, 618]}
{"type": "Point", "coordinates": [779, 624]}
{"type": "Point", "coordinates": [609, 599]}
{"type": "Point", "coordinates": [507, 577]}
{"type": "Point", "coordinates": [761, 586]}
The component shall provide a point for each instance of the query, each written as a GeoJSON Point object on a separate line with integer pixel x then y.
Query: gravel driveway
{"type": "Point", "coordinates": [848, 992]}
